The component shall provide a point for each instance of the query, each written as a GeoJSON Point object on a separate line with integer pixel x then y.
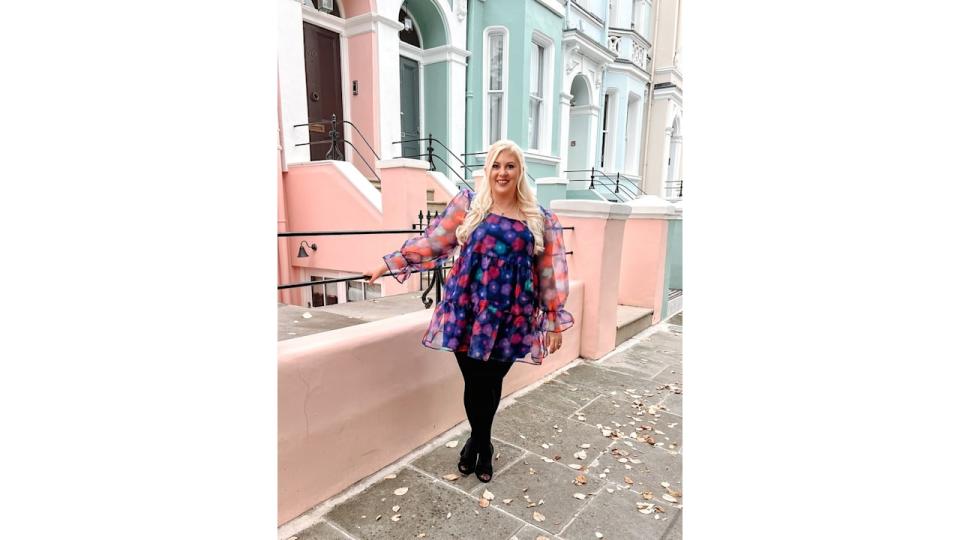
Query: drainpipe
{"type": "Point", "coordinates": [649, 104]}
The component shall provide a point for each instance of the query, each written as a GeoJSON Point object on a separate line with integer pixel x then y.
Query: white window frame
{"type": "Point", "coordinates": [609, 146]}
{"type": "Point", "coordinates": [545, 134]}
{"type": "Point", "coordinates": [486, 83]}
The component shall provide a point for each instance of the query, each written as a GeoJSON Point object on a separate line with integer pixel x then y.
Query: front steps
{"type": "Point", "coordinates": [631, 320]}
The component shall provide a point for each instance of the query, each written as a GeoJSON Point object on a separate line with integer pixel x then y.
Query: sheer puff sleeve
{"type": "Point", "coordinates": [429, 250]}
{"type": "Point", "coordinates": [551, 268]}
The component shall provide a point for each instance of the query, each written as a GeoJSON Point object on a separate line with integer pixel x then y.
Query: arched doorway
{"type": "Point", "coordinates": [581, 139]}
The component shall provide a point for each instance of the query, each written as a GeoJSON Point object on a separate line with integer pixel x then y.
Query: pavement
{"type": "Point", "coordinates": [595, 451]}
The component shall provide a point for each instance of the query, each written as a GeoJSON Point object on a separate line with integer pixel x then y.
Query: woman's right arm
{"type": "Point", "coordinates": [428, 250]}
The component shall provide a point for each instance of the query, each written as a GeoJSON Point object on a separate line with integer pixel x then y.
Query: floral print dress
{"type": "Point", "coordinates": [499, 299]}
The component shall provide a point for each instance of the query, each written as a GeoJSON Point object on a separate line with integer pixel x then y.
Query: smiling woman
{"type": "Point", "coordinates": [504, 298]}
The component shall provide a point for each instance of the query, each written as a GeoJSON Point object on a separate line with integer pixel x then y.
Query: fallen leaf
{"type": "Point", "coordinates": [628, 480]}
{"type": "Point", "coordinates": [451, 477]}
{"type": "Point", "coordinates": [452, 444]}
{"type": "Point", "coordinates": [400, 491]}
{"type": "Point", "coordinates": [540, 502]}
{"type": "Point", "coordinates": [378, 517]}
{"type": "Point", "coordinates": [547, 460]}
{"type": "Point", "coordinates": [538, 516]}
{"type": "Point", "coordinates": [668, 498]}
{"type": "Point", "coordinates": [396, 508]}
{"type": "Point", "coordinates": [449, 514]}
{"type": "Point", "coordinates": [389, 477]}
{"type": "Point", "coordinates": [580, 480]}
{"type": "Point", "coordinates": [622, 460]}
{"type": "Point", "coordinates": [665, 484]}
{"type": "Point", "coordinates": [542, 538]}
{"type": "Point", "coordinates": [645, 508]}
{"type": "Point", "coordinates": [531, 505]}
{"type": "Point", "coordinates": [585, 445]}
{"type": "Point", "coordinates": [576, 466]}
{"type": "Point", "coordinates": [307, 315]}
{"type": "Point", "coordinates": [557, 458]}
{"type": "Point", "coordinates": [487, 495]}
{"type": "Point", "coordinates": [659, 509]}
{"type": "Point", "coordinates": [674, 493]}
{"type": "Point", "coordinates": [544, 445]}
{"type": "Point", "coordinates": [421, 535]}
{"type": "Point", "coordinates": [507, 501]}
{"type": "Point", "coordinates": [647, 495]}
{"type": "Point", "coordinates": [484, 503]}
{"type": "Point", "coordinates": [580, 496]}
{"type": "Point", "coordinates": [580, 455]}
{"type": "Point", "coordinates": [650, 440]}
{"type": "Point", "coordinates": [395, 518]}
{"type": "Point", "coordinates": [598, 534]}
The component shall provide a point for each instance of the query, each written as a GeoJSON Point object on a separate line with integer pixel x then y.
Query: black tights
{"type": "Point", "coordinates": [482, 385]}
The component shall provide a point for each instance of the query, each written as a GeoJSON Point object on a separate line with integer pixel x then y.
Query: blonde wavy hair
{"type": "Point", "coordinates": [483, 199]}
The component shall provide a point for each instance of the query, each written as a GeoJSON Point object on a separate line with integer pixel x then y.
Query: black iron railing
{"type": "Point", "coordinates": [437, 276]}
{"type": "Point", "coordinates": [337, 140]}
{"type": "Point", "coordinates": [619, 186]}
{"type": "Point", "coordinates": [675, 185]}
{"type": "Point", "coordinates": [432, 154]}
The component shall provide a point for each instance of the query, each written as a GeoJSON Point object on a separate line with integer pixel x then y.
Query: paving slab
{"type": "Point", "coordinates": [675, 532]}
{"type": "Point", "coordinates": [532, 480]}
{"type": "Point", "coordinates": [602, 380]}
{"type": "Point", "coordinates": [636, 365]}
{"type": "Point", "coordinates": [622, 407]}
{"type": "Point", "coordinates": [615, 515]}
{"type": "Point", "coordinates": [320, 531]}
{"type": "Point", "coordinates": [645, 467]}
{"type": "Point", "coordinates": [530, 428]}
{"type": "Point", "coordinates": [673, 403]}
{"type": "Point", "coordinates": [558, 397]}
{"type": "Point", "coordinates": [423, 509]}
{"type": "Point", "coordinates": [443, 461]}
{"type": "Point", "coordinates": [529, 532]}
{"type": "Point", "coordinates": [671, 374]}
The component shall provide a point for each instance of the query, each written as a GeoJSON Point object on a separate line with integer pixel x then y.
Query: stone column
{"type": "Point", "coordinates": [564, 132]}
{"type": "Point", "coordinates": [596, 243]}
{"type": "Point", "coordinates": [643, 264]}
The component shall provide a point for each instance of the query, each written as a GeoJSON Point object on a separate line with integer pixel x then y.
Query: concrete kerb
{"type": "Point", "coordinates": [315, 515]}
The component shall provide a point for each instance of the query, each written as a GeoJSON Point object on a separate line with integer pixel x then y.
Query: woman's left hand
{"type": "Point", "coordinates": [554, 340]}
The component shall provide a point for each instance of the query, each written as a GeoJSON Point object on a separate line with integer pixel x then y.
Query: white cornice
{"type": "Point", "coordinates": [668, 93]}
{"type": "Point", "coordinates": [588, 47]}
{"type": "Point", "coordinates": [553, 6]}
{"type": "Point", "coordinates": [445, 53]}
{"type": "Point", "coordinates": [410, 51]}
{"type": "Point", "coordinates": [319, 18]}
{"type": "Point", "coordinates": [630, 69]}
{"type": "Point", "coordinates": [585, 109]}
{"type": "Point", "coordinates": [590, 209]}
{"type": "Point", "coordinates": [669, 71]}
{"type": "Point", "coordinates": [368, 22]}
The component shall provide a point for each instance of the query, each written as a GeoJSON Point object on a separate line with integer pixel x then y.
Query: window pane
{"type": "Point", "coordinates": [533, 133]}
{"type": "Point", "coordinates": [373, 291]}
{"type": "Point", "coordinates": [354, 291]}
{"type": "Point", "coordinates": [496, 105]}
{"type": "Point", "coordinates": [496, 61]}
{"type": "Point", "coordinates": [536, 70]}
{"type": "Point", "coordinates": [330, 294]}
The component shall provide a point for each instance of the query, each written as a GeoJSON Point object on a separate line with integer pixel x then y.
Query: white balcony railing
{"type": "Point", "coordinates": [630, 46]}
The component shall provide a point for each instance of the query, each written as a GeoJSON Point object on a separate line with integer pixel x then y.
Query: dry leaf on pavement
{"type": "Point", "coordinates": [395, 518]}
{"type": "Point", "coordinates": [484, 503]}
{"type": "Point", "coordinates": [452, 444]}
{"type": "Point", "coordinates": [396, 508]}
{"type": "Point", "coordinates": [538, 516]}
{"type": "Point", "coordinates": [451, 477]}
{"type": "Point", "coordinates": [487, 495]}
{"type": "Point", "coordinates": [400, 491]}
{"type": "Point", "coordinates": [628, 480]}
{"type": "Point", "coordinates": [580, 480]}
{"type": "Point", "coordinates": [580, 496]}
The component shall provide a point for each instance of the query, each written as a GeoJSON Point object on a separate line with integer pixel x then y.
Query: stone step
{"type": "Point", "coordinates": [631, 320]}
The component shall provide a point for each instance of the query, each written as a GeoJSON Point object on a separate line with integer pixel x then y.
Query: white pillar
{"type": "Point", "coordinates": [564, 132]}
{"type": "Point", "coordinates": [457, 103]}
{"type": "Point", "coordinates": [388, 69]}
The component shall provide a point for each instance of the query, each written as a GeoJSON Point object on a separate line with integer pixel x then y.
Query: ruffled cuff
{"type": "Point", "coordinates": [397, 265]}
{"type": "Point", "coordinates": [556, 321]}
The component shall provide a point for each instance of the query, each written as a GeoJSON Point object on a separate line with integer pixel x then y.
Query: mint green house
{"type": "Point", "coordinates": [513, 80]}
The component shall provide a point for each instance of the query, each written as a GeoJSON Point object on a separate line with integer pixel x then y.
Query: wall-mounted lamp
{"type": "Point", "coordinates": [303, 251]}
{"type": "Point", "coordinates": [407, 24]}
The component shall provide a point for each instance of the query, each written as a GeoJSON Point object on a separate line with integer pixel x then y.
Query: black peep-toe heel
{"type": "Point", "coordinates": [485, 465]}
{"type": "Point", "coordinates": [468, 459]}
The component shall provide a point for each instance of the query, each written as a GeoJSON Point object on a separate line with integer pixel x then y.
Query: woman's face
{"type": "Point", "coordinates": [504, 174]}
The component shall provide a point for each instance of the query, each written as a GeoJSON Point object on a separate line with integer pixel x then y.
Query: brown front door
{"type": "Point", "coordinates": [321, 51]}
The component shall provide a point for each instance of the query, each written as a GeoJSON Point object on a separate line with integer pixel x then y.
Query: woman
{"type": "Point", "coordinates": [503, 299]}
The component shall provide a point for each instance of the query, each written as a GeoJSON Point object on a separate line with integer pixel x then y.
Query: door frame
{"type": "Point", "coordinates": [311, 15]}
{"type": "Point", "coordinates": [412, 53]}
